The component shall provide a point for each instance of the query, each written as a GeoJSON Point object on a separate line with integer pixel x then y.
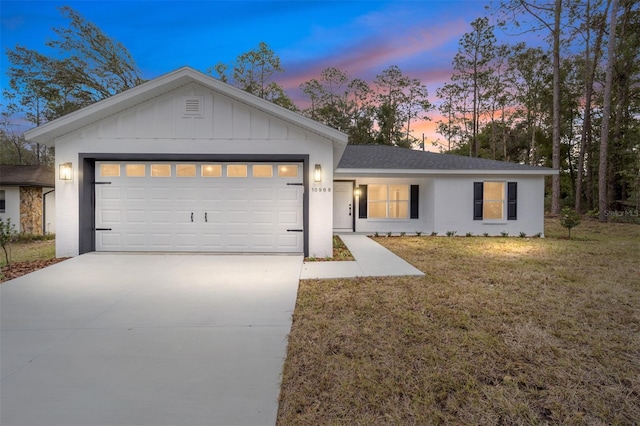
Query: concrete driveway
{"type": "Point", "coordinates": [146, 339]}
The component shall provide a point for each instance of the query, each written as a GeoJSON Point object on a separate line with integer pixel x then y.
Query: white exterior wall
{"type": "Point", "coordinates": [446, 204]}
{"type": "Point", "coordinates": [424, 223]}
{"type": "Point", "coordinates": [453, 203]}
{"type": "Point", "coordinates": [225, 127]}
{"type": "Point", "coordinates": [12, 205]}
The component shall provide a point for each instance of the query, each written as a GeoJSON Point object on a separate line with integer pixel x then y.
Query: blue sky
{"type": "Point", "coordinates": [359, 37]}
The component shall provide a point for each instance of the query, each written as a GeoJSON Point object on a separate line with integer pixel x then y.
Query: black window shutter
{"type": "Point", "coordinates": [414, 201]}
{"type": "Point", "coordinates": [362, 203]}
{"type": "Point", "coordinates": [478, 188]}
{"type": "Point", "coordinates": [512, 200]}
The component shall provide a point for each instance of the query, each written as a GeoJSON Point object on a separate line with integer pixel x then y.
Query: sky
{"type": "Point", "coordinates": [359, 37]}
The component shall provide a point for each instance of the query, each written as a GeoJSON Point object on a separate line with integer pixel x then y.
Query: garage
{"type": "Point", "coordinates": [188, 163]}
{"type": "Point", "coordinates": [188, 206]}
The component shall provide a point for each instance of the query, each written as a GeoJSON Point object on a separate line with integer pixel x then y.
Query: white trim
{"type": "Point", "coordinates": [342, 173]}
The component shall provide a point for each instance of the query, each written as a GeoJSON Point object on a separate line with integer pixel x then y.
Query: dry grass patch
{"type": "Point", "coordinates": [500, 330]}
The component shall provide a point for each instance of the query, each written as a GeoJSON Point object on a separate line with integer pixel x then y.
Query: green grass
{"type": "Point", "coordinates": [26, 251]}
{"type": "Point", "coordinates": [499, 331]}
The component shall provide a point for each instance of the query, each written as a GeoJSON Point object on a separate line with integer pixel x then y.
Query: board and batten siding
{"type": "Point", "coordinates": [224, 126]}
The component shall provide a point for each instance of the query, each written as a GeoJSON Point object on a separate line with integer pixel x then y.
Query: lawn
{"type": "Point", "coordinates": [27, 256]}
{"type": "Point", "coordinates": [498, 331]}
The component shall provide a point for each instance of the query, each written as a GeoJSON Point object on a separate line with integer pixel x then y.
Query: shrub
{"type": "Point", "coordinates": [504, 233]}
{"type": "Point", "coordinates": [402, 234]}
{"type": "Point", "coordinates": [569, 219]}
{"type": "Point", "coordinates": [523, 235]}
{"type": "Point", "coordinates": [418, 233]}
{"type": "Point", "coordinates": [434, 234]}
{"type": "Point", "coordinates": [451, 233]}
{"type": "Point", "coordinates": [469, 234]}
{"type": "Point", "coordinates": [7, 234]}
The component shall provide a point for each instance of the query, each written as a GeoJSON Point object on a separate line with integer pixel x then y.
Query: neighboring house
{"type": "Point", "coordinates": [185, 162]}
{"type": "Point", "coordinates": [27, 198]}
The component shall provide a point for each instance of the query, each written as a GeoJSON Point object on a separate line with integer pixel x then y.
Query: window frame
{"type": "Point", "coordinates": [509, 201]}
{"type": "Point", "coordinates": [388, 202]}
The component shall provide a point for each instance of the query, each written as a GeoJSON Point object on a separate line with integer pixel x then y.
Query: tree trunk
{"type": "Point", "coordinates": [590, 71]}
{"type": "Point", "coordinates": [555, 181]}
{"type": "Point", "coordinates": [606, 113]}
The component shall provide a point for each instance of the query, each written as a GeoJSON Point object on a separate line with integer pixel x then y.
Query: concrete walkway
{"type": "Point", "coordinates": [135, 339]}
{"type": "Point", "coordinates": [371, 260]}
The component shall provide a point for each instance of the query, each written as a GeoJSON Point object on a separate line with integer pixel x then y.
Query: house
{"type": "Point", "coordinates": [27, 198]}
{"type": "Point", "coordinates": [185, 162]}
{"type": "Point", "coordinates": [389, 189]}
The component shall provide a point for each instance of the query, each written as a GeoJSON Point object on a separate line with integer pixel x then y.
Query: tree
{"type": "Point", "coordinates": [329, 98]}
{"type": "Point", "coordinates": [529, 68]}
{"type": "Point", "coordinates": [87, 66]}
{"type": "Point", "coordinates": [400, 100]}
{"type": "Point", "coordinates": [569, 219]}
{"type": "Point", "coordinates": [591, 59]}
{"type": "Point", "coordinates": [254, 72]}
{"type": "Point", "coordinates": [472, 65]}
{"type": "Point", "coordinates": [546, 15]}
{"type": "Point", "coordinates": [606, 113]}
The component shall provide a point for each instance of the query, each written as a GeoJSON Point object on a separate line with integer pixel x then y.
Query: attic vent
{"type": "Point", "coordinates": [193, 106]}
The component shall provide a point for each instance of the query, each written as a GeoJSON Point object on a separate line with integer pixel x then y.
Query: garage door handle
{"type": "Point", "coordinates": [191, 216]}
{"type": "Point", "coordinates": [205, 217]}
{"type": "Point", "coordinates": [294, 230]}
{"type": "Point", "coordinates": [103, 229]}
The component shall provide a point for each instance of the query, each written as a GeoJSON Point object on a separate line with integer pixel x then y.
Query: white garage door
{"type": "Point", "coordinates": [206, 207]}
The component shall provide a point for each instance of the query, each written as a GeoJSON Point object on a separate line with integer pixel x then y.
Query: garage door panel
{"type": "Point", "coordinates": [262, 218]}
{"type": "Point", "coordinates": [108, 217]}
{"type": "Point", "coordinates": [239, 214]}
{"type": "Point", "coordinates": [288, 218]}
{"type": "Point", "coordinates": [135, 241]}
{"type": "Point", "coordinates": [136, 193]}
{"type": "Point", "coordinates": [136, 216]}
{"type": "Point", "coordinates": [162, 193]}
{"type": "Point", "coordinates": [108, 192]}
{"type": "Point", "coordinates": [163, 217]}
{"type": "Point", "coordinates": [289, 193]}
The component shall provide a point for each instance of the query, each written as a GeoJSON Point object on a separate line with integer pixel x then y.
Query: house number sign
{"type": "Point", "coordinates": [321, 189]}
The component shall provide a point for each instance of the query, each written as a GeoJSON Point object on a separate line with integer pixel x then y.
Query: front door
{"type": "Point", "coordinates": [343, 208]}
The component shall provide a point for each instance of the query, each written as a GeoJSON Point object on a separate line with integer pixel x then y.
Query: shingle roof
{"type": "Point", "coordinates": [27, 175]}
{"type": "Point", "coordinates": [395, 158]}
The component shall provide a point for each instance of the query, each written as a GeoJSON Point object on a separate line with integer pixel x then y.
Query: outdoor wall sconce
{"type": "Point", "coordinates": [66, 171]}
{"type": "Point", "coordinates": [357, 191]}
{"type": "Point", "coordinates": [317, 174]}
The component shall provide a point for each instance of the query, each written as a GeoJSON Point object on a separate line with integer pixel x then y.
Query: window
{"type": "Point", "coordinates": [109, 170]}
{"type": "Point", "coordinates": [185, 170]}
{"type": "Point", "coordinates": [2, 201]}
{"type": "Point", "coordinates": [161, 170]}
{"type": "Point", "coordinates": [135, 170]}
{"type": "Point", "coordinates": [490, 198]}
{"type": "Point", "coordinates": [287, 170]}
{"type": "Point", "coordinates": [262, 170]}
{"type": "Point", "coordinates": [388, 201]}
{"type": "Point", "coordinates": [236, 170]}
{"type": "Point", "coordinates": [211, 170]}
{"type": "Point", "coordinates": [386, 204]}
{"type": "Point", "coordinates": [493, 201]}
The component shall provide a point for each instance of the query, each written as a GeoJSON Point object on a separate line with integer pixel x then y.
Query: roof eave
{"type": "Point", "coordinates": [354, 172]}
